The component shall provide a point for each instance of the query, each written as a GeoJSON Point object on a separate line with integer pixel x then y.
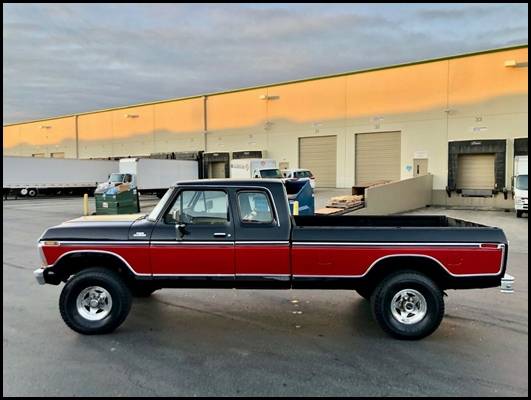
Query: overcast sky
{"type": "Point", "coordinates": [62, 59]}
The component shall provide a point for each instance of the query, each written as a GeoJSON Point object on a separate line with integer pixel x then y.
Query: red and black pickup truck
{"type": "Point", "coordinates": [240, 234]}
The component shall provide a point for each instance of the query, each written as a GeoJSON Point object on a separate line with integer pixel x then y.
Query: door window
{"type": "Point", "coordinates": [254, 208]}
{"type": "Point", "coordinates": [199, 207]}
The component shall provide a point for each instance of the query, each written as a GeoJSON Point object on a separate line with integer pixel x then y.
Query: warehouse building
{"type": "Point", "coordinates": [461, 118]}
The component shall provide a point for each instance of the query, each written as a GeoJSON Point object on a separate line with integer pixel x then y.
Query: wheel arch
{"type": "Point", "coordinates": [427, 265]}
{"type": "Point", "coordinates": [75, 261]}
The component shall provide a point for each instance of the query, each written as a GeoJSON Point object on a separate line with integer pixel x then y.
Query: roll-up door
{"type": "Point", "coordinates": [475, 171]}
{"type": "Point", "coordinates": [319, 155]}
{"type": "Point", "coordinates": [217, 170]}
{"type": "Point", "coordinates": [377, 157]}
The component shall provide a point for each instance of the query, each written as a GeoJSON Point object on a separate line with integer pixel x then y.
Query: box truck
{"type": "Point", "coordinates": [29, 176]}
{"type": "Point", "coordinates": [520, 185]}
{"type": "Point", "coordinates": [246, 168]}
{"type": "Point", "coordinates": [151, 175]}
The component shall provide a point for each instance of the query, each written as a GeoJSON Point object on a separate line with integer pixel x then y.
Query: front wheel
{"type": "Point", "coordinates": [408, 305]}
{"type": "Point", "coordinates": [95, 301]}
{"type": "Point", "coordinates": [519, 213]}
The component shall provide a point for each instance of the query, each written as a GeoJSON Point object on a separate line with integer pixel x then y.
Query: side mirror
{"type": "Point", "coordinates": [175, 215]}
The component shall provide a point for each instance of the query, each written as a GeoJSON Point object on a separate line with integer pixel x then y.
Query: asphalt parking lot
{"type": "Point", "coordinates": [235, 343]}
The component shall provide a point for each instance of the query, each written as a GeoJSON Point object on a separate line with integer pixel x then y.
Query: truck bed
{"type": "Point", "coordinates": [401, 228]}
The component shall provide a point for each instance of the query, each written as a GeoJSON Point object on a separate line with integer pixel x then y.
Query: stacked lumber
{"type": "Point", "coordinates": [341, 205]}
{"type": "Point", "coordinates": [343, 202]}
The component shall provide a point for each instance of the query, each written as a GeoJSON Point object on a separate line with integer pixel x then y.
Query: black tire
{"type": "Point", "coordinates": [519, 213]}
{"type": "Point", "coordinates": [382, 297]}
{"type": "Point", "coordinates": [365, 293]}
{"type": "Point", "coordinates": [32, 192]}
{"type": "Point", "coordinates": [100, 277]}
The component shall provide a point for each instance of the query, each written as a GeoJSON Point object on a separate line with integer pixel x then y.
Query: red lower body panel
{"type": "Point", "coordinates": [356, 261]}
{"type": "Point", "coordinates": [192, 259]}
{"type": "Point", "coordinates": [136, 256]}
{"type": "Point", "coordinates": [262, 260]}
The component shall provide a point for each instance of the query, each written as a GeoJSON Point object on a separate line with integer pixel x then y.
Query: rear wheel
{"type": "Point", "coordinates": [408, 305]}
{"type": "Point", "coordinates": [519, 213]}
{"type": "Point", "coordinates": [95, 301]}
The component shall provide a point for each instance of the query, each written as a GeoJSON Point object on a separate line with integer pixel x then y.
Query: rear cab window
{"type": "Point", "coordinates": [255, 208]}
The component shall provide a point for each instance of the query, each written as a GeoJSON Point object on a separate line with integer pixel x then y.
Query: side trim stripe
{"type": "Point", "coordinates": [388, 244]}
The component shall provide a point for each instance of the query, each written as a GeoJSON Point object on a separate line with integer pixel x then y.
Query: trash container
{"type": "Point", "coordinates": [114, 201]}
{"type": "Point", "coordinates": [301, 191]}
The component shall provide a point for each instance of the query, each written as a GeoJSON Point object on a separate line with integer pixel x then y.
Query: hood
{"type": "Point", "coordinates": [94, 227]}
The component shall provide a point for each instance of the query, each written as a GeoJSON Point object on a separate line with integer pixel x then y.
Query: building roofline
{"type": "Point", "coordinates": [313, 78]}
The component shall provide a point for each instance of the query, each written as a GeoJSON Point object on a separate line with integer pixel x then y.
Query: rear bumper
{"type": "Point", "coordinates": [507, 283]}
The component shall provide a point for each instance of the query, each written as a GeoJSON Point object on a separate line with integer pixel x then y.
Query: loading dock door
{"type": "Point", "coordinates": [319, 155]}
{"type": "Point", "coordinates": [377, 157]}
{"type": "Point", "coordinates": [217, 170]}
{"type": "Point", "coordinates": [475, 171]}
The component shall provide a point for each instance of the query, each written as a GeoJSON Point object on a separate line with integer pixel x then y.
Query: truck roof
{"type": "Point", "coordinates": [230, 182]}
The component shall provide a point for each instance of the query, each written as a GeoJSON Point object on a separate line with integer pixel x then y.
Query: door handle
{"type": "Point", "coordinates": [221, 234]}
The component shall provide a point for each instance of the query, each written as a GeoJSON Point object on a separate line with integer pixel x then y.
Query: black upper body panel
{"type": "Point", "coordinates": [400, 228]}
{"type": "Point", "coordinates": [369, 229]}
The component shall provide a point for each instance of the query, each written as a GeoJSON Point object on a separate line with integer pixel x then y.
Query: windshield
{"type": "Point", "coordinates": [303, 174]}
{"type": "Point", "coordinates": [116, 178]}
{"type": "Point", "coordinates": [156, 211]}
{"type": "Point", "coordinates": [271, 173]}
{"type": "Point", "coordinates": [521, 182]}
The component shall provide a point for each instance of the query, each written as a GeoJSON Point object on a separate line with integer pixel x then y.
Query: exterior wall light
{"type": "Point", "coordinates": [511, 63]}
{"type": "Point", "coordinates": [266, 97]}
{"type": "Point", "coordinates": [46, 127]}
{"type": "Point", "coordinates": [131, 115]}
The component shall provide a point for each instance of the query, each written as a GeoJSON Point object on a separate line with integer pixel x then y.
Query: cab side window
{"type": "Point", "coordinates": [255, 208]}
{"type": "Point", "coordinates": [199, 207]}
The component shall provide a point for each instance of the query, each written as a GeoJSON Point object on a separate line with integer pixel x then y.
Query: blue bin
{"type": "Point", "coordinates": [301, 191]}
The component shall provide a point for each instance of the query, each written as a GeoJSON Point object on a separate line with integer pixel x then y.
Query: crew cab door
{"type": "Point", "coordinates": [262, 248]}
{"type": "Point", "coordinates": [194, 239]}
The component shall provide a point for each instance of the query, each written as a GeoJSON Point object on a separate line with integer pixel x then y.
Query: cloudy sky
{"type": "Point", "coordinates": [62, 59]}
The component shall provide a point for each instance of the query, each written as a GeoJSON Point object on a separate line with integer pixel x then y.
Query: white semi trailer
{"type": "Point", "coordinates": [520, 185]}
{"type": "Point", "coordinates": [29, 176]}
{"type": "Point", "coordinates": [152, 175]}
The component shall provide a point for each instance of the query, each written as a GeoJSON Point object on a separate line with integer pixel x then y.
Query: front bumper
{"type": "Point", "coordinates": [39, 275]}
{"type": "Point", "coordinates": [507, 283]}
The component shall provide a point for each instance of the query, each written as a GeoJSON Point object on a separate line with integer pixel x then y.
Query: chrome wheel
{"type": "Point", "coordinates": [409, 306]}
{"type": "Point", "coordinates": [94, 303]}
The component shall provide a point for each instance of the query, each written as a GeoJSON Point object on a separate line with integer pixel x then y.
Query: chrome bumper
{"type": "Point", "coordinates": [507, 284]}
{"type": "Point", "coordinates": [39, 275]}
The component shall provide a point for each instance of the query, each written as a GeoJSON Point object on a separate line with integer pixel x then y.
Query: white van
{"type": "Point", "coordinates": [299, 173]}
{"type": "Point", "coordinates": [246, 168]}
